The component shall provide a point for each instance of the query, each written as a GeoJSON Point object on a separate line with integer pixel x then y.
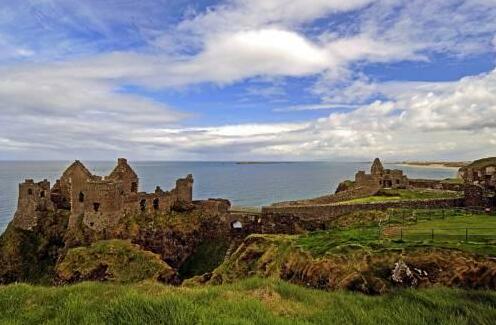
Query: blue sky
{"type": "Point", "coordinates": [247, 80]}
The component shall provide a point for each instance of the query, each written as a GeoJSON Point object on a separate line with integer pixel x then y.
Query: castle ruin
{"type": "Point", "coordinates": [480, 182]}
{"type": "Point", "coordinates": [95, 200]}
{"type": "Point", "coordinates": [382, 178]}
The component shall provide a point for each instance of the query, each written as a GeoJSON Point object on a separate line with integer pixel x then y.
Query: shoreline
{"type": "Point", "coordinates": [433, 165]}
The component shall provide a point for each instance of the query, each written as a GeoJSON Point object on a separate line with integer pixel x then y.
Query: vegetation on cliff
{"type": "Point", "coordinates": [250, 301]}
{"type": "Point", "coordinates": [360, 257]}
{"type": "Point", "coordinates": [113, 260]}
{"type": "Point", "coordinates": [405, 194]}
{"type": "Point", "coordinates": [31, 256]}
{"type": "Point", "coordinates": [355, 260]}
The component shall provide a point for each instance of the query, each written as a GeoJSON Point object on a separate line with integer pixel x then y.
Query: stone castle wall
{"type": "Point", "coordinates": [354, 193]}
{"type": "Point", "coordinates": [434, 184]}
{"type": "Point", "coordinates": [332, 211]}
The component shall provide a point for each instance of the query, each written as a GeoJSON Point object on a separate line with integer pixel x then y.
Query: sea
{"type": "Point", "coordinates": [244, 184]}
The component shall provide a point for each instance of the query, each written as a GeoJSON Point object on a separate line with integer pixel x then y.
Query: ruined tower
{"type": "Point", "coordinates": [184, 188]}
{"type": "Point", "coordinates": [124, 173]}
{"type": "Point", "coordinates": [34, 198]}
{"type": "Point", "coordinates": [377, 169]}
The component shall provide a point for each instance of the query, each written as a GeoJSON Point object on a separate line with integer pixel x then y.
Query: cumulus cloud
{"type": "Point", "coordinates": [423, 120]}
{"type": "Point", "coordinates": [81, 104]}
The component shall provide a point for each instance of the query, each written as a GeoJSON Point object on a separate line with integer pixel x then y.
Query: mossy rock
{"type": "Point", "coordinates": [30, 256]}
{"type": "Point", "coordinates": [115, 261]}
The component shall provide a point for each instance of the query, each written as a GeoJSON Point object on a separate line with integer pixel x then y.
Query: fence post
{"type": "Point", "coordinates": [401, 234]}
{"type": "Point", "coordinates": [466, 234]}
{"type": "Point", "coordinates": [432, 233]}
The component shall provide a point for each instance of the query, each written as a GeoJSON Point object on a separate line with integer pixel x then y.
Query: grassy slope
{"type": "Point", "coordinates": [251, 301]}
{"type": "Point", "coordinates": [402, 194]}
{"type": "Point", "coordinates": [123, 262]}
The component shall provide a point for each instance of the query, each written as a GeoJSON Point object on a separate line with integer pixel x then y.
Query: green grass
{"type": "Point", "coordinates": [251, 301]}
{"type": "Point", "coordinates": [367, 239]}
{"type": "Point", "coordinates": [452, 226]}
{"type": "Point", "coordinates": [459, 221]}
{"type": "Point", "coordinates": [121, 260]}
{"type": "Point", "coordinates": [449, 232]}
{"type": "Point", "coordinates": [405, 194]}
{"type": "Point", "coordinates": [453, 181]}
{"type": "Point", "coordinates": [246, 208]}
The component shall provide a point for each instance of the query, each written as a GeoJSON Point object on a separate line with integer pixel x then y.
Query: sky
{"type": "Point", "coordinates": [247, 80]}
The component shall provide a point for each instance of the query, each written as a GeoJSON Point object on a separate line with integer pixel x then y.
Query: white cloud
{"type": "Point", "coordinates": [313, 107]}
{"type": "Point", "coordinates": [75, 105]}
{"type": "Point", "coordinates": [242, 15]}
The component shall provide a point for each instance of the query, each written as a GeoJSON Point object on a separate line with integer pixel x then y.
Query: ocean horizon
{"type": "Point", "coordinates": [244, 183]}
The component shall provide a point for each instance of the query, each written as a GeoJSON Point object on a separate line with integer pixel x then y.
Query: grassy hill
{"type": "Point", "coordinates": [405, 194]}
{"type": "Point", "coordinates": [251, 301]}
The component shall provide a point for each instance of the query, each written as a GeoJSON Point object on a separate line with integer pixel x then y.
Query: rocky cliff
{"type": "Point", "coordinates": [35, 255]}
{"type": "Point", "coordinates": [372, 267]}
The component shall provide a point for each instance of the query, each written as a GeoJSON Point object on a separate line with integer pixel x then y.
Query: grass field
{"type": "Point", "coordinates": [445, 225]}
{"type": "Point", "coordinates": [405, 194]}
{"type": "Point", "coordinates": [251, 301]}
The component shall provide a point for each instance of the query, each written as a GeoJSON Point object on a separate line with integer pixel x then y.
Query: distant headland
{"type": "Point", "coordinates": [435, 164]}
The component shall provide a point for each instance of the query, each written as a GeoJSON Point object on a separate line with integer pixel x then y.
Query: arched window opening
{"type": "Point", "coordinates": [42, 194]}
{"type": "Point", "coordinates": [96, 206]}
{"type": "Point", "coordinates": [81, 197]}
{"type": "Point", "coordinates": [237, 224]}
{"type": "Point", "coordinates": [155, 204]}
{"type": "Point", "coordinates": [134, 187]}
{"type": "Point", "coordinates": [143, 205]}
{"type": "Point", "coordinates": [30, 191]}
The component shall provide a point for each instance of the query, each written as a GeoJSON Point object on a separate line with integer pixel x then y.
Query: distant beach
{"type": "Point", "coordinates": [434, 164]}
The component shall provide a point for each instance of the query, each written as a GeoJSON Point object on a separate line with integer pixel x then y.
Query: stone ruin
{"type": "Point", "coordinates": [480, 183]}
{"type": "Point", "coordinates": [380, 177]}
{"type": "Point", "coordinates": [101, 201]}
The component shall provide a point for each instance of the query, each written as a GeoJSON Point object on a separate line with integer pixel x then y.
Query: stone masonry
{"type": "Point", "coordinates": [95, 200]}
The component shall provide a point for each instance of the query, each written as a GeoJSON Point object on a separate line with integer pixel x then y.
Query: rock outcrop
{"type": "Point", "coordinates": [114, 261]}
{"type": "Point", "coordinates": [370, 269]}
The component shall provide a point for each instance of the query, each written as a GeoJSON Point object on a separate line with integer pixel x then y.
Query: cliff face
{"type": "Point", "coordinates": [33, 255]}
{"type": "Point", "coordinates": [30, 255]}
{"type": "Point", "coordinates": [371, 268]}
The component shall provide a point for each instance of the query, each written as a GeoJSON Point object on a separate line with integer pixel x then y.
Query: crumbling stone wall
{"type": "Point", "coordinates": [435, 184]}
{"type": "Point", "coordinates": [475, 196]}
{"type": "Point", "coordinates": [385, 178]}
{"type": "Point", "coordinates": [480, 182]}
{"type": "Point", "coordinates": [126, 175]}
{"type": "Point", "coordinates": [71, 182]}
{"type": "Point", "coordinates": [158, 201]}
{"type": "Point", "coordinates": [353, 193]}
{"type": "Point", "coordinates": [33, 201]}
{"type": "Point", "coordinates": [289, 218]}
{"type": "Point", "coordinates": [184, 189]}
